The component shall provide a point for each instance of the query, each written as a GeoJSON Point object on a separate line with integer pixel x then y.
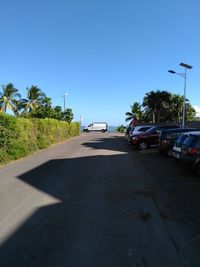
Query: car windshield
{"type": "Point", "coordinates": [152, 129]}
{"type": "Point", "coordinates": [172, 135]}
{"type": "Point", "coordinates": [141, 128]}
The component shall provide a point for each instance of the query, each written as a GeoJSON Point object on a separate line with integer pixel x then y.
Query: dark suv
{"type": "Point", "coordinates": [149, 138]}
{"type": "Point", "coordinates": [168, 137]}
{"type": "Point", "coordinates": [190, 150]}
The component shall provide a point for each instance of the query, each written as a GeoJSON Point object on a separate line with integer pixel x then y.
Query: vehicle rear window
{"type": "Point", "coordinates": [181, 138]}
{"type": "Point", "coordinates": [192, 140]}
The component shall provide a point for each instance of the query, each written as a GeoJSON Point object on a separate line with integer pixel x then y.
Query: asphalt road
{"type": "Point", "coordinates": [94, 201]}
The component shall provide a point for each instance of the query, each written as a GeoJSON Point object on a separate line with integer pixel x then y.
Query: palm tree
{"type": "Point", "coordinates": [176, 107]}
{"type": "Point", "coordinates": [190, 112]}
{"type": "Point", "coordinates": [19, 106]}
{"type": "Point", "coordinates": [135, 112]}
{"type": "Point", "coordinates": [156, 103]}
{"type": "Point", "coordinates": [35, 98]}
{"type": "Point", "coordinates": [8, 97]}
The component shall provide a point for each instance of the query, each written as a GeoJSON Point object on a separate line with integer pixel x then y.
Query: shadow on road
{"type": "Point", "coordinates": [96, 221]}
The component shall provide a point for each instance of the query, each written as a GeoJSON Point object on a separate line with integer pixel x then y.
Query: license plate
{"type": "Point", "coordinates": [175, 155]}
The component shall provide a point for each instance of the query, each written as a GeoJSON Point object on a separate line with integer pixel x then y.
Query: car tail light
{"type": "Point", "coordinates": [192, 150]}
{"type": "Point", "coordinates": [165, 142]}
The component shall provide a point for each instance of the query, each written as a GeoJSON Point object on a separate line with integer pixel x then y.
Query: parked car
{"type": "Point", "coordinates": [136, 129]}
{"type": "Point", "coordinates": [176, 150]}
{"type": "Point", "coordinates": [168, 137]}
{"type": "Point", "coordinates": [143, 140]}
{"type": "Point", "coordinates": [190, 150]}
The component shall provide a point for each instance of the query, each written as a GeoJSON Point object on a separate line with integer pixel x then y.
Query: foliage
{"type": "Point", "coordinates": [35, 98]}
{"type": "Point", "coordinates": [196, 118]}
{"type": "Point", "coordinates": [121, 128]}
{"type": "Point", "coordinates": [44, 110]}
{"type": "Point", "coordinates": [160, 106]}
{"type": "Point", "coordinates": [67, 115]}
{"type": "Point", "coordinates": [36, 105]}
{"type": "Point", "coordinates": [156, 104]}
{"type": "Point", "coordinates": [20, 136]}
{"type": "Point", "coordinates": [8, 97]}
{"type": "Point", "coordinates": [136, 112]}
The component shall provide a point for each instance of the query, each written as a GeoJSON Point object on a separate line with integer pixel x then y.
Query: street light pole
{"type": "Point", "coordinates": [184, 98]}
{"type": "Point", "coordinates": [65, 95]}
{"type": "Point", "coordinates": [184, 75]}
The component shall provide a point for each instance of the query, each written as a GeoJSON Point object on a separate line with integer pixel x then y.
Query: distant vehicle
{"type": "Point", "coordinates": [167, 138]}
{"type": "Point", "coordinates": [144, 140]}
{"type": "Point", "coordinates": [96, 126]}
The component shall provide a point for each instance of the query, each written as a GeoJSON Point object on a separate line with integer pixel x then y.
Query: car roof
{"type": "Point", "coordinates": [143, 126]}
{"type": "Point", "coordinates": [184, 130]}
{"type": "Point", "coordinates": [164, 127]}
{"type": "Point", "coordinates": [197, 133]}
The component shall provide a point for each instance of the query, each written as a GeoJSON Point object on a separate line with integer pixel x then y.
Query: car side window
{"type": "Point", "coordinates": [155, 132]}
{"type": "Point", "coordinates": [173, 135]}
{"type": "Point", "coordinates": [197, 142]}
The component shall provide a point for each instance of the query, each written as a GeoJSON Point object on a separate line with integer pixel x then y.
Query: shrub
{"type": "Point", "coordinates": [21, 136]}
{"type": "Point", "coordinates": [121, 128]}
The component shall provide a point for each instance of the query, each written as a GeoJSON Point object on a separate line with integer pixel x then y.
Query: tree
{"type": "Point", "coordinates": [190, 112]}
{"type": "Point", "coordinates": [8, 97]}
{"type": "Point", "coordinates": [17, 106]}
{"type": "Point", "coordinates": [67, 115]}
{"type": "Point", "coordinates": [44, 110]}
{"type": "Point", "coordinates": [58, 113]}
{"type": "Point", "coordinates": [157, 104]}
{"type": "Point", "coordinates": [35, 97]}
{"type": "Point", "coordinates": [176, 108]}
{"type": "Point", "coordinates": [135, 112]}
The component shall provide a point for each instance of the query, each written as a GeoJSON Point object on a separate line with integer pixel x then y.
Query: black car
{"type": "Point", "coordinates": [143, 140]}
{"type": "Point", "coordinates": [176, 150]}
{"type": "Point", "coordinates": [168, 137]}
{"type": "Point", "coordinates": [190, 150]}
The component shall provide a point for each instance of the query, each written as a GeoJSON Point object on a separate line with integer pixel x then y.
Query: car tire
{"type": "Point", "coordinates": [142, 145]}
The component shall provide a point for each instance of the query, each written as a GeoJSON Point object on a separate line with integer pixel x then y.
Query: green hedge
{"type": "Point", "coordinates": [20, 137]}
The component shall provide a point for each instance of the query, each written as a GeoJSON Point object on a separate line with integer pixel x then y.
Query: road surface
{"type": "Point", "coordinates": [93, 201]}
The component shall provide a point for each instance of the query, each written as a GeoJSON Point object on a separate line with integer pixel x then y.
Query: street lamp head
{"type": "Point", "coordinates": [185, 65]}
{"type": "Point", "coordinates": [171, 71]}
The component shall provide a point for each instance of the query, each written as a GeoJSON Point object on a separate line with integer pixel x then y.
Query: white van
{"type": "Point", "coordinates": [97, 126]}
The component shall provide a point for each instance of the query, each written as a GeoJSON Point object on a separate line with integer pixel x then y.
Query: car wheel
{"type": "Point", "coordinates": [198, 168]}
{"type": "Point", "coordinates": [142, 145]}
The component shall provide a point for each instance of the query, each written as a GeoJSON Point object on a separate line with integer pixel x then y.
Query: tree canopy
{"type": "Point", "coordinates": [159, 106]}
{"type": "Point", "coordinates": [35, 105]}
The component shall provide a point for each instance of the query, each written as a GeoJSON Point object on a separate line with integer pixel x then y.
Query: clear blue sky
{"type": "Point", "coordinates": [106, 54]}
